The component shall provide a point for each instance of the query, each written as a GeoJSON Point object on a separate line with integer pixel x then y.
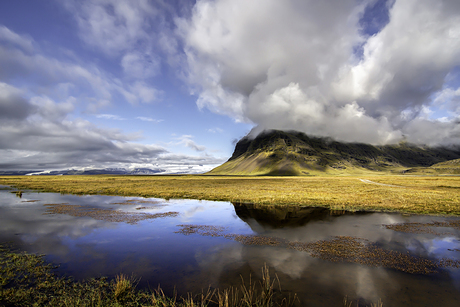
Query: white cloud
{"type": "Point", "coordinates": [448, 99]}
{"type": "Point", "coordinates": [143, 93]}
{"type": "Point", "coordinates": [86, 83]}
{"type": "Point", "coordinates": [137, 33]}
{"type": "Point", "coordinates": [187, 141]}
{"type": "Point", "coordinates": [110, 116]}
{"type": "Point", "coordinates": [113, 26]}
{"type": "Point", "coordinates": [148, 119]}
{"type": "Point", "coordinates": [140, 66]}
{"type": "Point", "coordinates": [215, 130]}
{"type": "Point", "coordinates": [293, 65]}
{"type": "Point", "coordinates": [25, 43]}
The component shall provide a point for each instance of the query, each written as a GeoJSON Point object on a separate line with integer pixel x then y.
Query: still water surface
{"type": "Point", "coordinates": [189, 245]}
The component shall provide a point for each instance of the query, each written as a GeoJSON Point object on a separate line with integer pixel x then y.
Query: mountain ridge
{"type": "Point", "coordinates": [277, 152]}
{"type": "Point", "coordinates": [99, 171]}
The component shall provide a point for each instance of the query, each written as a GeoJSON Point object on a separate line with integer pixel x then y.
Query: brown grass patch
{"type": "Point", "coordinates": [422, 227]}
{"type": "Point", "coordinates": [108, 215]}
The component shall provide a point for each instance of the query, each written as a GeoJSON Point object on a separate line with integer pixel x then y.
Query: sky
{"type": "Point", "coordinates": [173, 84]}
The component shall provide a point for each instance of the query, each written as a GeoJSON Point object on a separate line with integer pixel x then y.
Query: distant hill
{"type": "Point", "coordinates": [291, 153]}
{"type": "Point", "coordinates": [451, 167]}
{"type": "Point", "coordinates": [104, 171]}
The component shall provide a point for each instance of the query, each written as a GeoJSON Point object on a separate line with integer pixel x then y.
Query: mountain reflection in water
{"type": "Point", "coordinates": [213, 250]}
{"type": "Point", "coordinates": [285, 216]}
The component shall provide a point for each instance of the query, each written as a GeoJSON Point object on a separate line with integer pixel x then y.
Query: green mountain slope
{"type": "Point", "coordinates": [294, 153]}
{"type": "Point", "coordinates": [451, 167]}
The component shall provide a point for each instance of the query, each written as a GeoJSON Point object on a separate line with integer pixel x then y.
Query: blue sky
{"type": "Point", "coordinates": [172, 84]}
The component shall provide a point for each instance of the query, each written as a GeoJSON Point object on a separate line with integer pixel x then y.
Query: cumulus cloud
{"type": "Point", "coordinates": [179, 163]}
{"type": "Point", "coordinates": [315, 67]}
{"type": "Point", "coordinates": [187, 141]}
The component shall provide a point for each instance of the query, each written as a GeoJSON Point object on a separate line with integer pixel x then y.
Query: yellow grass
{"type": "Point", "coordinates": [428, 195]}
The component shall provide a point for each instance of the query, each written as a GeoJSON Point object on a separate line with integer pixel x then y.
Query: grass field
{"type": "Point", "coordinates": [426, 195]}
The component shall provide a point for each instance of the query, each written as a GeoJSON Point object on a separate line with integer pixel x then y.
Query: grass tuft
{"type": "Point", "coordinates": [123, 287]}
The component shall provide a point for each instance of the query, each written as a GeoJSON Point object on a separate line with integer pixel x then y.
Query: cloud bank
{"type": "Point", "coordinates": [37, 134]}
{"type": "Point", "coordinates": [368, 71]}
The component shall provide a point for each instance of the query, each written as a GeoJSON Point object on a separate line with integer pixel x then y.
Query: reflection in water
{"type": "Point", "coordinates": [284, 216]}
{"type": "Point", "coordinates": [212, 244]}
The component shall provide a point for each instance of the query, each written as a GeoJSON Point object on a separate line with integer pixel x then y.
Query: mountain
{"type": "Point", "coordinates": [104, 171]}
{"type": "Point", "coordinates": [291, 153]}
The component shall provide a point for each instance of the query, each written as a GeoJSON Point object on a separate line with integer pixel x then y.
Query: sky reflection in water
{"type": "Point", "coordinates": [86, 246]}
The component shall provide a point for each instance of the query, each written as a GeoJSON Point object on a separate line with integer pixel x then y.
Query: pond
{"type": "Point", "coordinates": [189, 245]}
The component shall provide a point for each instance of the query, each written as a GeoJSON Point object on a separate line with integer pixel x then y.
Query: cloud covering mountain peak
{"type": "Point", "coordinates": [312, 66]}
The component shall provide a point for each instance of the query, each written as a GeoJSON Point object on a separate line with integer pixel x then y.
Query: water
{"type": "Point", "coordinates": [91, 236]}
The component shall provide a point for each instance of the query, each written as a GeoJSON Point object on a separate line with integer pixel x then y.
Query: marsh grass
{"type": "Point", "coordinates": [426, 195]}
{"type": "Point", "coordinates": [123, 287]}
{"type": "Point", "coordinates": [26, 280]}
{"type": "Point", "coordinates": [350, 303]}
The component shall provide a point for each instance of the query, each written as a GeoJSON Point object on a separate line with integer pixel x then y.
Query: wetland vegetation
{"type": "Point", "coordinates": [279, 220]}
{"type": "Point", "coordinates": [27, 280]}
{"type": "Point", "coordinates": [425, 195]}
